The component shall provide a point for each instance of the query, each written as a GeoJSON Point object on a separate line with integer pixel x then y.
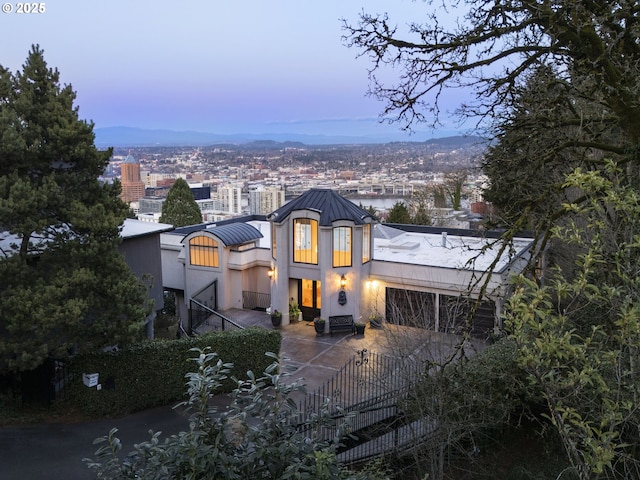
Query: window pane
{"type": "Point", "coordinates": [305, 241]}
{"type": "Point", "coordinates": [318, 296]}
{"type": "Point", "coordinates": [342, 247]}
{"type": "Point", "coordinates": [366, 243]}
{"type": "Point", "coordinates": [307, 293]}
{"type": "Point", "coordinates": [203, 251]}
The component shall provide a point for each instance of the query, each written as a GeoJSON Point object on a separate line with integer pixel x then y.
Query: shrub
{"type": "Point", "coordinates": [150, 374]}
{"type": "Point", "coordinates": [257, 436]}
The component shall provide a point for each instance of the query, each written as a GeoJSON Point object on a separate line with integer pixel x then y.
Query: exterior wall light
{"type": "Point", "coordinates": [342, 295]}
{"type": "Point", "coordinates": [270, 273]}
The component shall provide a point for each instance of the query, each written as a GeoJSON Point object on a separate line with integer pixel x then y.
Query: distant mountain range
{"type": "Point", "coordinates": [138, 137]}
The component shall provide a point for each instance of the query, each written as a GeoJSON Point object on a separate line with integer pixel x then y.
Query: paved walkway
{"type": "Point", "coordinates": [52, 451]}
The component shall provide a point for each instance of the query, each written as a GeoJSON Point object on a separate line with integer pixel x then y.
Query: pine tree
{"type": "Point", "coordinates": [180, 209]}
{"type": "Point", "coordinates": [399, 213]}
{"type": "Point", "coordinates": [64, 284]}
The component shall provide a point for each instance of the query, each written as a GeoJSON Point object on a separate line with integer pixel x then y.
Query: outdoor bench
{"type": "Point", "coordinates": [341, 323]}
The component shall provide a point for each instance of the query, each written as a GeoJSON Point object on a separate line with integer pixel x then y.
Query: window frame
{"type": "Point", "coordinates": [366, 243]}
{"type": "Point", "coordinates": [308, 255]}
{"type": "Point", "coordinates": [342, 246]}
{"type": "Point", "coordinates": [205, 254]}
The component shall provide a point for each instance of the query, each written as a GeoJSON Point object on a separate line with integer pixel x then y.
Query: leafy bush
{"type": "Point", "coordinates": [257, 436]}
{"type": "Point", "coordinates": [149, 374]}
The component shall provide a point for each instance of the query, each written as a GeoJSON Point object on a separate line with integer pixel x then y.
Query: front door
{"type": "Point", "coordinates": [309, 298]}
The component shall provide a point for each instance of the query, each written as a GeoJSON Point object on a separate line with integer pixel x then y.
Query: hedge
{"type": "Point", "coordinates": [151, 374]}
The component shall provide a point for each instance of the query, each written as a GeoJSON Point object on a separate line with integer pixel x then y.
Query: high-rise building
{"type": "Point", "coordinates": [230, 199]}
{"type": "Point", "coordinates": [263, 201]}
{"type": "Point", "coordinates": [132, 184]}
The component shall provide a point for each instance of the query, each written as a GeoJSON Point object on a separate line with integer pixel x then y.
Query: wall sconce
{"type": "Point", "coordinates": [342, 295]}
{"type": "Point", "coordinates": [270, 273]}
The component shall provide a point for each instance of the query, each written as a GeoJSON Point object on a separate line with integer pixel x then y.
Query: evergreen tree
{"type": "Point", "coordinates": [399, 213]}
{"type": "Point", "coordinates": [64, 283]}
{"type": "Point", "coordinates": [180, 209]}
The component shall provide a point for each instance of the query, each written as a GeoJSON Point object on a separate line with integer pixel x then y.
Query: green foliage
{"type": "Point", "coordinates": [180, 209]}
{"type": "Point", "coordinates": [399, 213]}
{"type": "Point", "coordinates": [67, 286]}
{"type": "Point", "coordinates": [579, 337]}
{"type": "Point", "coordinates": [469, 400]}
{"type": "Point", "coordinates": [257, 436]}
{"type": "Point", "coordinates": [526, 177]}
{"type": "Point", "coordinates": [149, 374]}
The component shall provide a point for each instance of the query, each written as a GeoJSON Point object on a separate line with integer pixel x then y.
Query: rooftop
{"type": "Point", "coordinates": [328, 203]}
{"type": "Point", "coordinates": [443, 249]}
{"type": "Point", "coordinates": [137, 228]}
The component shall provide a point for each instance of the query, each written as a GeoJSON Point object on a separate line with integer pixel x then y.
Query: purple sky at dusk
{"type": "Point", "coordinates": [247, 66]}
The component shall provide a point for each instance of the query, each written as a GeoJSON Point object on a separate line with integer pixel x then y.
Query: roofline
{"type": "Point", "coordinates": [186, 230]}
{"type": "Point", "coordinates": [461, 232]}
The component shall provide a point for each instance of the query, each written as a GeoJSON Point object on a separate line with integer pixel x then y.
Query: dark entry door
{"type": "Point", "coordinates": [309, 298]}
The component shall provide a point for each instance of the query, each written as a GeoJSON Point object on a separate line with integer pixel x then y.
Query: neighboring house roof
{"type": "Point", "coordinates": [235, 233]}
{"type": "Point", "coordinates": [132, 228]}
{"type": "Point", "coordinates": [329, 204]}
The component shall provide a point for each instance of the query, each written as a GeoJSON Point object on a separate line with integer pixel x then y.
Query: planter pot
{"type": "Point", "coordinates": [375, 323]}
{"type": "Point", "coordinates": [359, 329]}
{"type": "Point", "coordinates": [276, 320]}
{"type": "Point", "coordinates": [319, 327]}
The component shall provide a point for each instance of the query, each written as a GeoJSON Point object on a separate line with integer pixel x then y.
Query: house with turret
{"type": "Point", "coordinates": [336, 261]}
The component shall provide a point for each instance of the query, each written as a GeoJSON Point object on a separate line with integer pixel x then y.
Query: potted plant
{"type": "Point", "coordinates": [359, 328]}
{"type": "Point", "coordinates": [318, 324]}
{"type": "Point", "coordinates": [294, 311]}
{"type": "Point", "coordinates": [276, 318]}
{"type": "Point", "coordinates": [375, 321]}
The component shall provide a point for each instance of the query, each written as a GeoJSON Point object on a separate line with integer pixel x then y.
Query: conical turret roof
{"type": "Point", "coordinates": [329, 204]}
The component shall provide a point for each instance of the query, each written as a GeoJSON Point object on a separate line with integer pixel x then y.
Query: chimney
{"type": "Point", "coordinates": [444, 239]}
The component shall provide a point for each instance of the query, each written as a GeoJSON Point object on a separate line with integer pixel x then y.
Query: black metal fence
{"type": "Point", "coordinates": [256, 301]}
{"type": "Point", "coordinates": [368, 392]}
{"type": "Point", "coordinates": [46, 383]}
{"type": "Point", "coordinates": [204, 318]}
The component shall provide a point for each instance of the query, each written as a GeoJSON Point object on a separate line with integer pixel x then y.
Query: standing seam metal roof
{"type": "Point", "coordinates": [235, 233]}
{"type": "Point", "coordinates": [330, 205]}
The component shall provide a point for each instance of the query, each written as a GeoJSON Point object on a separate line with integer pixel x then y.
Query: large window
{"type": "Point", "coordinates": [366, 242]}
{"type": "Point", "coordinates": [305, 240]}
{"type": "Point", "coordinates": [342, 247]}
{"type": "Point", "coordinates": [203, 251]}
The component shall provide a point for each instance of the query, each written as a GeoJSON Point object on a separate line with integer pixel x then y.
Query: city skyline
{"type": "Point", "coordinates": [234, 68]}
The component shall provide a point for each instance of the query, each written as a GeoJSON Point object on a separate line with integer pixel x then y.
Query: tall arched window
{"type": "Point", "coordinates": [203, 251]}
{"type": "Point", "coordinates": [305, 240]}
{"type": "Point", "coordinates": [342, 246]}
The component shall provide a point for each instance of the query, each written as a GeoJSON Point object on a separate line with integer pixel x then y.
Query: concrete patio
{"type": "Point", "coordinates": [316, 359]}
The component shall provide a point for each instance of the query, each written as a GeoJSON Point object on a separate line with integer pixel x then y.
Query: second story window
{"type": "Point", "coordinates": [305, 240]}
{"type": "Point", "coordinates": [203, 251]}
{"type": "Point", "coordinates": [366, 242]}
{"type": "Point", "coordinates": [342, 247]}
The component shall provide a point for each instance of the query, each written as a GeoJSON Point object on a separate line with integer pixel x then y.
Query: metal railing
{"type": "Point", "coordinates": [368, 392]}
{"type": "Point", "coordinates": [202, 315]}
{"type": "Point", "coordinates": [256, 300]}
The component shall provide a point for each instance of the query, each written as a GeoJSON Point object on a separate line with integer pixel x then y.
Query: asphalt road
{"type": "Point", "coordinates": [55, 451]}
